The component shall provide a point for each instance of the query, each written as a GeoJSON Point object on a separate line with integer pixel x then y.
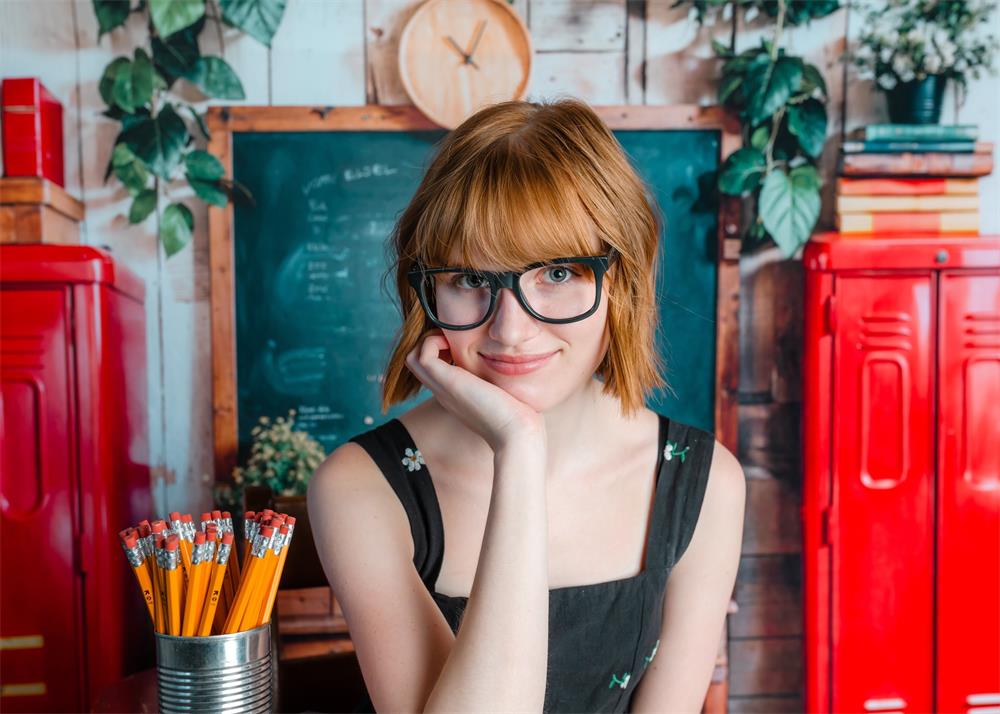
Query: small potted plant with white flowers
{"type": "Point", "coordinates": [282, 457]}
{"type": "Point", "coordinates": [911, 48]}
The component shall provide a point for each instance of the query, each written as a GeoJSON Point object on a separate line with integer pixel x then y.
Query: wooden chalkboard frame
{"type": "Point", "coordinates": [223, 121]}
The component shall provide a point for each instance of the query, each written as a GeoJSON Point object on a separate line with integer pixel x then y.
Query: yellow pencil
{"type": "Point", "coordinates": [200, 566]}
{"type": "Point", "coordinates": [248, 582]}
{"type": "Point", "coordinates": [286, 538]}
{"type": "Point", "coordinates": [174, 577]}
{"type": "Point", "coordinates": [262, 586]}
{"type": "Point", "coordinates": [136, 559]}
{"type": "Point", "coordinates": [215, 586]}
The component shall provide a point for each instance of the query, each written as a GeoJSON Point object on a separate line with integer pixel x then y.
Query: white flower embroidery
{"type": "Point", "coordinates": [671, 450]}
{"type": "Point", "coordinates": [413, 459]}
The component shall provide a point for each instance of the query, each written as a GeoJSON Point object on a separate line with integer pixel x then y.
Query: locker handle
{"type": "Point", "coordinates": [880, 705]}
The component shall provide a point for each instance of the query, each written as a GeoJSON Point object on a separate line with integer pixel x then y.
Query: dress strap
{"type": "Point", "coordinates": [402, 464]}
{"type": "Point", "coordinates": [680, 489]}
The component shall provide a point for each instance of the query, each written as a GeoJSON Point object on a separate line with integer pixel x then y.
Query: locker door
{"type": "Point", "coordinates": [881, 528]}
{"type": "Point", "coordinates": [41, 589]}
{"type": "Point", "coordinates": [968, 583]}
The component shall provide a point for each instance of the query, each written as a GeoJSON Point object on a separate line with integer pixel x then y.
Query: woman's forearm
{"type": "Point", "coordinates": [499, 659]}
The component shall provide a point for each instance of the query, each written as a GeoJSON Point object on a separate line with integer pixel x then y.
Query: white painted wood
{"type": "Point", "coordinates": [578, 25]}
{"type": "Point", "coordinates": [680, 65]}
{"type": "Point", "coordinates": [595, 77]}
{"type": "Point", "coordinates": [317, 55]}
{"type": "Point", "coordinates": [37, 43]}
{"type": "Point", "coordinates": [384, 23]}
{"type": "Point", "coordinates": [635, 52]}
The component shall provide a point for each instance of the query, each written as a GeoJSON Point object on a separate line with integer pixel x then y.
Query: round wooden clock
{"type": "Point", "coordinates": [457, 56]}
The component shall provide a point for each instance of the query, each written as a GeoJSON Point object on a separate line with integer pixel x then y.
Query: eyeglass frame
{"type": "Point", "coordinates": [511, 279]}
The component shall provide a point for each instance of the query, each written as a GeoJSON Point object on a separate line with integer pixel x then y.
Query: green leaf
{"type": "Point", "coordinates": [769, 91]}
{"type": "Point", "coordinates": [202, 165]}
{"type": "Point", "coordinates": [214, 77]}
{"type": "Point", "coordinates": [199, 120]}
{"type": "Point", "coordinates": [110, 14]}
{"type": "Point", "coordinates": [175, 228]}
{"type": "Point", "coordinates": [170, 16]}
{"type": "Point", "coordinates": [142, 206]}
{"type": "Point", "coordinates": [742, 171]}
{"type": "Point", "coordinates": [807, 121]}
{"type": "Point", "coordinates": [812, 78]}
{"type": "Point", "coordinates": [728, 88]}
{"type": "Point", "coordinates": [258, 18]}
{"type": "Point", "coordinates": [122, 89]}
{"type": "Point", "coordinates": [720, 49]}
{"type": "Point", "coordinates": [177, 55]}
{"type": "Point", "coordinates": [789, 206]}
{"type": "Point", "coordinates": [158, 142]}
{"type": "Point", "coordinates": [142, 78]}
{"type": "Point", "coordinates": [107, 84]}
{"type": "Point", "coordinates": [209, 191]}
{"type": "Point", "coordinates": [129, 169]}
{"type": "Point", "coordinates": [761, 134]}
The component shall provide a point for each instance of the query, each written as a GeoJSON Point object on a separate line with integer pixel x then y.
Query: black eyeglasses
{"type": "Point", "coordinates": [557, 291]}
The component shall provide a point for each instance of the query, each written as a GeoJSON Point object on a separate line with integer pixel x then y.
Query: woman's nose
{"type": "Point", "coordinates": [511, 323]}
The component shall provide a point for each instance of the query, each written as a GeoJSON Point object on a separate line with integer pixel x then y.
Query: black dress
{"type": "Point", "coordinates": [602, 635]}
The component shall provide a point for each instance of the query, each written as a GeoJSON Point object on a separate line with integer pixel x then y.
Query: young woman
{"type": "Point", "coordinates": [531, 537]}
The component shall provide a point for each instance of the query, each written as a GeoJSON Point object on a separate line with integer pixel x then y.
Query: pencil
{"type": "Point", "coordinates": [265, 572]}
{"type": "Point", "coordinates": [215, 587]}
{"type": "Point", "coordinates": [196, 585]}
{"type": "Point", "coordinates": [159, 584]}
{"type": "Point", "coordinates": [136, 559]}
{"type": "Point", "coordinates": [248, 582]}
{"type": "Point", "coordinates": [173, 576]}
{"type": "Point", "coordinates": [286, 538]}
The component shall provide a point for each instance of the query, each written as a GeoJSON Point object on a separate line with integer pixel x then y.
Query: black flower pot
{"type": "Point", "coordinates": [917, 101]}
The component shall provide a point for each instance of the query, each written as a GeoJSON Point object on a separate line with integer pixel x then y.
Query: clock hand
{"type": "Point", "coordinates": [454, 44]}
{"type": "Point", "coordinates": [475, 42]}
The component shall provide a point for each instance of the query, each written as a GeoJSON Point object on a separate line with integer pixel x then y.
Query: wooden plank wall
{"type": "Point", "coordinates": [337, 52]}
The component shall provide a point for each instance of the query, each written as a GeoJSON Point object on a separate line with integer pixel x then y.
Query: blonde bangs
{"type": "Point", "coordinates": [505, 212]}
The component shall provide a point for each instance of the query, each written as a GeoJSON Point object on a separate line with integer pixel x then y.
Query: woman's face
{"type": "Point", "coordinates": [576, 348]}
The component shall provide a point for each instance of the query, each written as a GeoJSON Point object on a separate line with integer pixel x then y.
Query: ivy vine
{"type": "Point", "coordinates": [781, 103]}
{"type": "Point", "coordinates": [155, 148]}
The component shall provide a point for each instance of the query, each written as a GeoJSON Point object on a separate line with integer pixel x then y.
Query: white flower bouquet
{"type": "Point", "coordinates": [906, 40]}
{"type": "Point", "coordinates": [281, 457]}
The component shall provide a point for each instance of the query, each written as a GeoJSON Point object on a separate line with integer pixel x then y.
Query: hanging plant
{"type": "Point", "coordinates": [781, 103]}
{"type": "Point", "coordinates": [154, 148]}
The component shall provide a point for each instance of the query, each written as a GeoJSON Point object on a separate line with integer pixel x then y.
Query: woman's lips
{"type": "Point", "coordinates": [514, 368]}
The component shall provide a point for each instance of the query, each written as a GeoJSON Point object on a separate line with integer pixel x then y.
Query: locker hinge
{"type": "Point", "coordinates": [830, 310]}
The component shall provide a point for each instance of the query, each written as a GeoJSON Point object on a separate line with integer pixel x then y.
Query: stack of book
{"type": "Point", "coordinates": [911, 178]}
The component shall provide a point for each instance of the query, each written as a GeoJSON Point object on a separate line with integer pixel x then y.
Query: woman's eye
{"type": "Point", "coordinates": [560, 274]}
{"type": "Point", "coordinates": [469, 280]}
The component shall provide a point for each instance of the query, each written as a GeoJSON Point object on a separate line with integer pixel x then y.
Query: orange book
{"type": "Point", "coordinates": [941, 222]}
{"type": "Point", "coordinates": [906, 186]}
{"type": "Point", "coordinates": [906, 204]}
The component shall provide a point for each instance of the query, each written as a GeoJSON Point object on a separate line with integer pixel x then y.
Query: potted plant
{"type": "Point", "coordinates": [911, 48]}
{"type": "Point", "coordinates": [282, 458]}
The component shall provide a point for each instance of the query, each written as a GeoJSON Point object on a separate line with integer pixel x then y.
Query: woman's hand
{"type": "Point", "coordinates": [485, 408]}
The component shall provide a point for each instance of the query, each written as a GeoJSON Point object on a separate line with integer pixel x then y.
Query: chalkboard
{"type": "Point", "coordinates": [313, 322]}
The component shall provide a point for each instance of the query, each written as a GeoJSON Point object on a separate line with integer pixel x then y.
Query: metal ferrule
{"type": "Point", "coordinates": [222, 556]}
{"type": "Point", "coordinates": [171, 559]}
{"type": "Point", "coordinates": [249, 529]}
{"type": "Point", "coordinates": [260, 545]}
{"type": "Point", "coordinates": [177, 527]}
{"type": "Point", "coordinates": [135, 556]}
{"type": "Point", "coordinates": [148, 545]}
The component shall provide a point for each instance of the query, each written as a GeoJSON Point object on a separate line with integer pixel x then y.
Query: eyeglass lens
{"type": "Point", "coordinates": [556, 291]}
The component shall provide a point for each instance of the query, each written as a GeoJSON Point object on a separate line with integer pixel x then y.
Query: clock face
{"type": "Point", "coordinates": [457, 56]}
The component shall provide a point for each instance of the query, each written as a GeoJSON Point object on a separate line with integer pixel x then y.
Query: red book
{"type": "Point", "coordinates": [909, 163]}
{"type": "Point", "coordinates": [32, 130]}
{"type": "Point", "coordinates": [958, 222]}
{"type": "Point", "coordinates": [931, 186]}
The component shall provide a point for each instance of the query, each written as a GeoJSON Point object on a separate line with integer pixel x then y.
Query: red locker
{"type": "Point", "coordinates": [901, 488]}
{"type": "Point", "coordinates": [74, 447]}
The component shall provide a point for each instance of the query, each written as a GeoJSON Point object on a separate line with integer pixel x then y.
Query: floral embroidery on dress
{"type": "Point", "coordinates": [413, 459]}
{"type": "Point", "coordinates": [653, 654]}
{"type": "Point", "coordinates": [670, 451]}
{"type": "Point", "coordinates": [620, 682]}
